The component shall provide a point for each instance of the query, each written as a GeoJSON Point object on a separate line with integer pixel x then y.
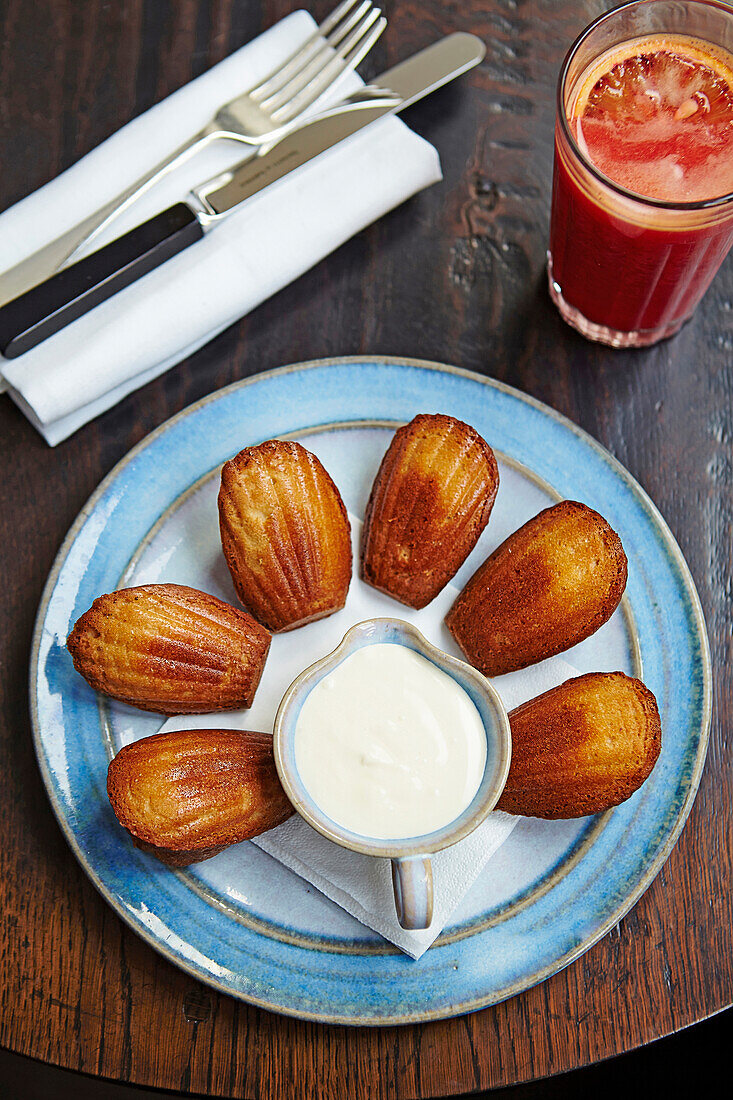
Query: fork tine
{"type": "Point", "coordinates": [340, 32]}
{"type": "Point", "coordinates": [334, 18]}
{"type": "Point", "coordinates": [361, 49]}
{"type": "Point", "coordinates": [315, 78]}
{"type": "Point", "coordinates": [316, 87]}
{"type": "Point", "coordinates": [296, 60]}
{"type": "Point", "coordinates": [306, 67]}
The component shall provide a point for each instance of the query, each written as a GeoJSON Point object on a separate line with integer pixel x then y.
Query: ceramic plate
{"type": "Point", "coordinates": [243, 923]}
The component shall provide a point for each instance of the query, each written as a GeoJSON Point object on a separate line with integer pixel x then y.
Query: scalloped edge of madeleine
{"type": "Point", "coordinates": [430, 501]}
{"type": "Point", "coordinates": [170, 649]}
{"type": "Point", "coordinates": [542, 591]}
{"type": "Point", "coordinates": [581, 748]}
{"type": "Point", "coordinates": [285, 534]}
{"type": "Point", "coordinates": [186, 795]}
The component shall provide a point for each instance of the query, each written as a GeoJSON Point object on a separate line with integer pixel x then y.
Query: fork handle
{"type": "Point", "coordinates": [94, 225]}
{"type": "Point", "coordinates": [66, 296]}
{"type": "Point", "coordinates": [47, 260]}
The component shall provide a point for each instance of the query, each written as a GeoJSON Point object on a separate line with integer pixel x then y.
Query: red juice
{"type": "Point", "coordinates": [643, 163]}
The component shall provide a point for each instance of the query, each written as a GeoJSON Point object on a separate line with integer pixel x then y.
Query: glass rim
{"type": "Point", "coordinates": [634, 196]}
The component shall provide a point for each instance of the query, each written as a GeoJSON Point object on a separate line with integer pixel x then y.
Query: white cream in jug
{"type": "Point", "coordinates": [388, 745]}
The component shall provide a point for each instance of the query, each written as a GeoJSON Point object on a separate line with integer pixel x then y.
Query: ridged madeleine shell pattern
{"type": "Point", "coordinates": [582, 747]}
{"type": "Point", "coordinates": [170, 649]}
{"type": "Point", "coordinates": [431, 499]}
{"type": "Point", "coordinates": [551, 584]}
{"type": "Point", "coordinates": [285, 534]}
{"type": "Point", "coordinates": [186, 795]}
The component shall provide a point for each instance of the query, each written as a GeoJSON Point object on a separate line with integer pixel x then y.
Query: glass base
{"type": "Point", "coordinates": [602, 334]}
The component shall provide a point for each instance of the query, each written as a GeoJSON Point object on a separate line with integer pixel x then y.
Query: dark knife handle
{"type": "Point", "coordinates": [72, 292]}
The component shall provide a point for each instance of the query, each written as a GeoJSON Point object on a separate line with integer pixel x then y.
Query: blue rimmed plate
{"type": "Point", "coordinates": [242, 922]}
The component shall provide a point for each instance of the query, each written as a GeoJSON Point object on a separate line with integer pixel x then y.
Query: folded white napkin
{"type": "Point", "coordinates": [362, 884]}
{"type": "Point", "coordinates": [271, 240]}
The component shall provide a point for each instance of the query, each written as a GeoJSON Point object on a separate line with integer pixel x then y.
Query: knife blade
{"type": "Point", "coordinates": [40, 312]}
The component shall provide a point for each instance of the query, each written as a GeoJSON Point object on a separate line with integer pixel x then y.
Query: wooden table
{"type": "Point", "coordinates": [455, 275]}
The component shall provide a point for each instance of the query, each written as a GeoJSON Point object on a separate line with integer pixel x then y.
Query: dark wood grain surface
{"type": "Point", "coordinates": [455, 275]}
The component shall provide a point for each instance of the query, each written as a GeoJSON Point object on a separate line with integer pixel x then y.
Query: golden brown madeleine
{"type": "Point", "coordinates": [285, 534]}
{"type": "Point", "coordinates": [188, 794]}
{"type": "Point", "coordinates": [431, 499]}
{"type": "Point", "coordinates": [170, 649]}
{"type": "Point", "coordinates": [551, 584]}
{"type": "Point", "coordinates": [581, 747]}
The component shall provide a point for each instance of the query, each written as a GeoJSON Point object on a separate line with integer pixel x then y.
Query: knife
{"type": "Point", "coordinates": [32, 317]}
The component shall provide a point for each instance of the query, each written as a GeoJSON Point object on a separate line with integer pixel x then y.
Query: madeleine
{"type": "Point", "coordinates": [171, 649]}
{"type": "Point", "coordinates": [551, 584]}
{"type": "Point", "coordinates": [285, 534]}
{"type": "Point", "coordinates": [431, 499]}
{"type": "Point", "coordinates": [582, 747]}
{"type": "Point", "coordinates": [186, 795]}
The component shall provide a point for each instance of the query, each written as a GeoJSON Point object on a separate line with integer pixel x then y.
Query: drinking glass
{"type": "Point", "coordinates": [624, 269]}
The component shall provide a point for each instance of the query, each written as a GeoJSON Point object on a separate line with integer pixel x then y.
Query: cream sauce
{"type": "Point", "coordinates": [388, 745]}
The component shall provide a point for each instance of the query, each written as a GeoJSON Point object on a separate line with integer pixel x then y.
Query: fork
{"type": "Point", "coordinates": [265, 113]}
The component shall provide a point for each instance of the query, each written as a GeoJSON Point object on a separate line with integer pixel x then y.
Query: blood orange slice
{"type": "Point", "coordinates": [656, 116]}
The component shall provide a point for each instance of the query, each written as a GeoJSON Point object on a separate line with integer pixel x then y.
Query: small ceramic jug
{"type": "Point", "coordinates": [412, 875]}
